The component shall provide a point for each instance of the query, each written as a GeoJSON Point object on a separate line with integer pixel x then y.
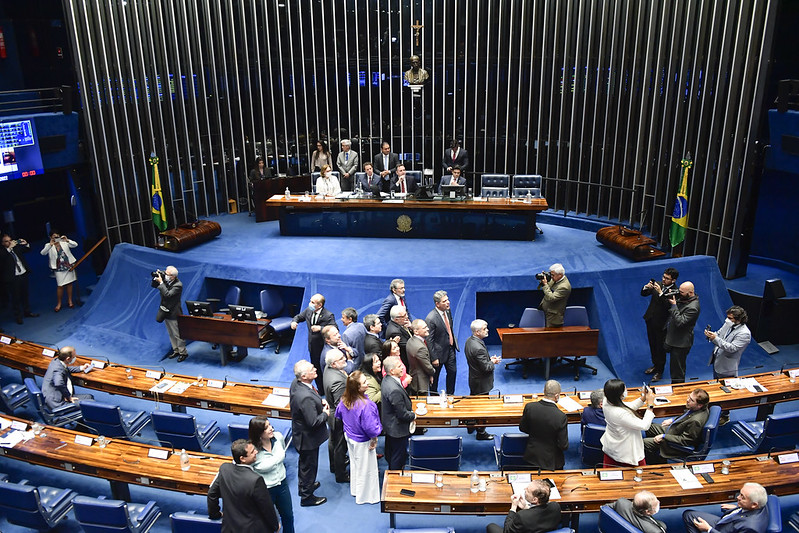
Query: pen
{"type": "Point", "coordinates": [59, 447]}
{"type": "Point", "coordinates": [656, 474]}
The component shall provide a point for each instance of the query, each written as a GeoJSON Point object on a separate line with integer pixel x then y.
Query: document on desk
{"type": "Point", "coordinates": [570, 405]}
{"type": "Point", "coordinates": [274, 400]}
{"type": "Point", "coordinates": [686, 478]}
{"type": "Point", "coordinates": [162, 386]}
{"type": "Point", "coordinates": [11, 439]}
{"type": "Point", "coordinates": [752, 385]}
{"type": "Point", "coordinates": [179, 387]}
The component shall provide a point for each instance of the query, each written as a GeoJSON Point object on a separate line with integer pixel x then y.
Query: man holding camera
{"type": "Point", "coordinates": [556, 289]}
{"type": "Point", "coordinates": [171, 289]}
{"type": "Point", "coordinates": [656, 317]}
{"type": "Point", "coordinates": [683, 314]}
{"type": "Point", "coordinates": [14, 271]}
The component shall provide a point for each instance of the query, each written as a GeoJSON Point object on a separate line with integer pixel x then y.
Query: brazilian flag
{"type": "Point", "coordinates": [159, 210]}
{"type": "Point", "coordinates": [679, 217]}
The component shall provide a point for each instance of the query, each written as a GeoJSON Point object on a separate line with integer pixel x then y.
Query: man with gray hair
{"type": "Point", "coordinates": [335, 380]}
{"type": "Point", "coordinates": [347, 162]}
{"type": "Point", "coordinates": [531, 512]}
{"type": "Point", "coordinates": [640, 512]}
{"type": "Point", "coordinates": [442, 341]}
{"type": "Point", "coordinates": [399, 330]}
{"type": "Point", "coordinates": [420, 369]}
{"type": "Point", "coordinates": [309, 414]}
{"type": "Point", "coordinates": [397, 413]}
{"type": "Point", "coordinates": [593, 414]}
{"type": "Point", "coordinates": [749, 515]}
{"type": "Point", "coordinates": [396, 297]}
{"type": "Point", "coordinates": [547, 429]}
{"type": "Point", "coordinates": [556, 294]}
{"type": "Point", "coordinates": [171, 289]}
{"type": "Point", "coordinates": [481, 367]}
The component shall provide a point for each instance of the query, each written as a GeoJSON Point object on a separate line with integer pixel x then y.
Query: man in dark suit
{"type": "Point", "coordinates": [455, 179]}
{"type": "Point", "coordinates": [531, 512]}
{"type": "Point", "coordinates": [656, 316]}
{"type": "Point", "coordinates": [395, 297]}
{"type": "Point", "coordinates": [420, 369]}
{"type": "Point", "coordinates": [403, 183]}
{"type": "Point", "coordinates": [481, 367]}
{"type": "Point", "coordinates": [749, 515]}
{"type": "Point", "coordinates": [248, 506]}
{"type": "Point", "coordinates": [683, 314]}
{"type": "Point", "coordinates": [369, 180]}
{"type": "Point", "coordinates": [397, 414]}
{"type": "Point", "coordinates": [57, 386]}
{"type": "Point", "coordinates": [354, 333]}
{"type": "Point", "coordinates": [335, 384]}
{"type": "Point", "coordinates": [455, 157]}
{"type": "Point", "coordinates": [593, 414]}
{"type": "Point", "coordinates": [685, 430]}
{"type": "Point", "coordinates": [309, 414]}
{"type": "Point", "coordinates": [547, 429]}
{"type": "Point", "coordinates": [441, 341]}
{"type": "Point", "coordinates": [398, 329]}
{"type": "Point", "coordinates": [333, 341]}
{"type": "Point", "coordinates": [171, 289]}
{"type": "Point", "coordinates": [385, 163]}
{"type": "Point", "coordinates": [317, 317]}
{"type": "Point", "coordinates": [372, 342]}
{"type": "Point", "coordinates": [14, 273]}
{"type": "Point", "coordinates": [640, 512]}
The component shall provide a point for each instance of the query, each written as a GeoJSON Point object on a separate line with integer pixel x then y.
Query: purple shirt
{"type": "Point", "coordinates": [362, 422]}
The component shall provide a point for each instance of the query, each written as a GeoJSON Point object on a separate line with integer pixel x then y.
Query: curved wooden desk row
{"type": "Point", "coordinates": [248, 398]}
{"type": "Point", "coordinates": [586, 493]}
{"type": "Point", "coordinates": [120, 462]}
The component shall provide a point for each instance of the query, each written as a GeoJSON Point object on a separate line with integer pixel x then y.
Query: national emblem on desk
{"type": "Point", "coordinates": [404, 223]}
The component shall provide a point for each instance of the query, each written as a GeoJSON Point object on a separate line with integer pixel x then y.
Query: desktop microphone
{"type": "Point", "coordinates": [416, 467]}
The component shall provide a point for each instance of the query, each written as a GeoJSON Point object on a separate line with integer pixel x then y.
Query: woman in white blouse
{"type": "Point", "coordinates": [622, 442]}
{"type": "Point", "coordinates": [269, 464]}
{"type": "Point", "coordinates": [61, 261]}
{"type": "Point", "coordinates": [327, 184]}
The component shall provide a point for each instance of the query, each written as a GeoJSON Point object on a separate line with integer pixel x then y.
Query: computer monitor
{"type": "Point", "coordinates": [19, 150]}
{"type": "Point", "coordinates": [459, 190]}
{"type": "Point", "coordinates": [242, 312]}
{"type": "Point", "coordinates": [199, 308]}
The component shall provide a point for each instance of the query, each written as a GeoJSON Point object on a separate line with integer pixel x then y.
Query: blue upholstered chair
{"type": "Point", "coordinates": [612, 522]}
{"type": "Point", "coordinates": [576, 315]}
{"type": "Point", "coordinates": [315, 176]}
{"type": "Point", "coordinates": [194, 523]}
{"type": "Point", "coordinates": [417, 175]}
{"type": "Point", "coordinates": [590, 448]}
{"type": "Point", "coordinates": [531, 318]}
{"type": "Point", "coordinates": [111, 421]}
{"type": "Point", "coordinates": [709, 430]}
{"type": "Point", "coordinates": [61, 416]}
{"type": "Point", "coordinates": [34, 507]}
{"type": "Point", "coordinates": [180, 430]}
{"type": "Point", "coordinates": [495, 185]}
{"type": "Point", "coordinates": [774, 514]}
{"type": "Point", "coordinates": [509, 451]}
{"type": "Point", "coordinates": [435, 453]}
{"type": "Point", "coordinates": [98, 515]}
{"type": "Point", "coordinates": [272, 307]}
{"type": "Point", "coordinates": [238, 431]}
{"type": "Point", "coordinates": [12, 397]}
{"type": "Point", "coordinates": [780, 432]}
{"type": "Point", "coordinates": [524, 183]}
{"type": "Point", "coordinates": [793, 521]}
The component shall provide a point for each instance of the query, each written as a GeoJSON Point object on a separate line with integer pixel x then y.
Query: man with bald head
{"type": "Point", "coordinates": [57, 386]}
{"type": "Point", "coordinates": [317, 317]}
{"type": "Point", "coordinates": [640, 512]}
{"type": "Point", "coordinates": [531, 512]}
{"type": "Point", "coordinates": [547, 429]}
{"type": "Point", "coordinates": [309, 414]}
{"type": "Point", "coordinates": [683, 314]}
{"type": "Point", "coordinates": [171, 289]}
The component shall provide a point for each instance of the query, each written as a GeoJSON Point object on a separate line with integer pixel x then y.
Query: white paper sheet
{"type": "Point", "coordinates": [686, 479]}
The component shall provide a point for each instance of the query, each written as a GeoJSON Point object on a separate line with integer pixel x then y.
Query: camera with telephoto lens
{"type": "Point", "coordinates": [671, 292]}
{"type": "Point", "coordinates": [154, 275]}
{"type": "Point", "coordinates": [543, 276]}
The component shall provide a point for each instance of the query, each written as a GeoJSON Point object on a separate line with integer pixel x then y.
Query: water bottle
{"type": "Point", "coordinates": [288, 193]}
{"type": "Point", "coordinates": [184, 460]}
{"type": "Point", "coordinates": [443, 397]}
{"type": "Point", "coordinates": [529, 198]}
{"type": "Point", "coordinates": [475, 482]}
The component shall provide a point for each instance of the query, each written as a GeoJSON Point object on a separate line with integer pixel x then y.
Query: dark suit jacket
{"type": "Point", "coordinates": [326, 318]}
{"type": "Point", "coordinates": [420, 366]}
{"type": "Point", "coordinates": [481, 369]}
{"type": "Point", "coordinates": [537, 519]}
{"type": "Point", "coordinates": [392, 330]}
{"type": "Point", "coordinates": [646, 523]}
{"type": "Point", "coordinates": [410, 184]}
{"type": "Point", "coordinates": [372, 344]}
{"type": "Point", "coordinates": [592, 415]}
{"type": "Point", "coordinates": [744, 522]}
{"type": "Point", "coordinates": [682, 319]}
{"type": "Point", "coordinates": [438, 338]}
{"type": "Point", "coordinates": [248, 508]}
{"type": "Point", "coordinates": [657, 311]}
{"type": "Point", "coordinates": [308, 421]}
{"type": "Point", "coordinates": [377, 164]}
{"type": "Point", "coordinates": [170, 298]}
{"type": "Point", "coordinates": [335, 383]}
{"type": "Point", "coordinates": [397, 412]}
{"type": "Point", "coordinates": [384, 313]}
{"type": "Point", "coordinates": [54, 385]}
{"type": "Point", "coordinates": [461, 181]}
{"type": "Point", "coordinates": [461, 160]}
{"type": "Point", "coordinates": [8, 267]}
{"type": "Point", "coordinates": [684, 432]}
{"type": "Point", "coordinates": [547, 430]}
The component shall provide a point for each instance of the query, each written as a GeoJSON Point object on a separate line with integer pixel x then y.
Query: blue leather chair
{"type": "Point", "coordinates": [315, 176]}
{"type": "Point", "coordinates": [780, 432]}
{"type": "Point", "coordinates": [774, 514]}
{"type": "Point", "coordinates": [495, 186]}
{"type": "Point", "coordinates": [194, 523]}
{"type": "Point", "coordinates": [612, 522]}
{"type": "Point", "coordinates": [793, 521]}
{"type": "Point", "coordinates": [417, 175]}
{"type": "Point", "coordinates": [524, 183]}
{"type": "Point", "coordinates": [238, 431]}
{"type": "Point", "coordinates": [435, 453]}
{"type": "Point", "coordinates": [509, 451]}
{"type": "Point", "coordinates": [12, 397]}
{"type": "Point", "coordinates": [34, 507]}
{"type": "Point", "coordinates": [111, 421]}
{"type": "Point", "coordinates": [590, 448]}
{"type": "Point", "coordinates": [180, 430]}
{"type": "Point", "coordinates": [98, 515]}
{"type": "Point", "coordinates": [59, 417]}
{"type": "Point", "coordinates": [576, 315]}
{"type": "Point", "coordinates": [272, 307]}
{"type": "Point", "coordinates": [709, 430]}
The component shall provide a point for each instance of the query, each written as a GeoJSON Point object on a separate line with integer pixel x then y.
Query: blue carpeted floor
{"type": "Point", "coordinates": [489, 279]}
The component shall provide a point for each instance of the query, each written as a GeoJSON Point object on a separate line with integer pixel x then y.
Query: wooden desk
{"type": "Point", "coordinates": [121, 462]}
{"type": "Point", "coordinates": [583, 493]}
{"type": "Point", "coordinates": [222, 329]}
{"type": "Point", "coordinates": [546, 343]}
{"type": "Point", "coordinates": [501, 218]}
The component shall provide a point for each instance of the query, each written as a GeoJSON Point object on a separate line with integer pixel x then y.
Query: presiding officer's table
{"type": "Point", "coordinates": [547, 343]}
{"type": "Point", "coordinates": [479, 218]}
{"type": "Point", "coordinates": [222, 329]}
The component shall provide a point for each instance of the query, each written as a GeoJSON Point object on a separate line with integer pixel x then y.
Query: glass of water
{"type": "Point", "coordinates": [440, 480]}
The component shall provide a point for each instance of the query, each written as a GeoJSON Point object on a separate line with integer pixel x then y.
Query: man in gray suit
{"type": "Point", "coordinates": [441, 341]}
{"type": "Point", "coordinates": [397, 414]}
{"type": "Point", "coordinates": [683, 314]}
{"type": "Point", "coordinates": [57, 386]}
{"type": "Point", "coordinates": [729, 343]}
{"type": "Point", "coordinates": [171, 290]}
{"type": "Point", "coordinates": [421, 368]}
{"type": "Point", "coordinates": [641, 512]}
{"type": "Point", "coordinates": [335, 383]}
{"type": "Point", "coordinates": [685, 430]}
{"type": "Point", "coordinates": [347, 163]}
{"type": "Point", "coordinates": [556, 295]}
{"type": "Point", "coordinates": [481, 367]}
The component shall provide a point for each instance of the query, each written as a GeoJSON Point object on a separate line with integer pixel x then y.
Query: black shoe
{"type": "Point", "coordinates": [649, 370]}
{"type": "Point", "coordinates": [470, 430]}
{"type": "Point", "coordinates": [313, 501]}
{"type": "Point", "coordinates": [656, 377]}
{"type": "Point", "coordinates": [724, 419]}
{"type": "Point", "coordinates": [173, 355]}
{"type": "Point", "coordinates": [345, 479]}
{"type": "Point", "coordinates": [182, 357]}
{"type": "Point", "coordinates": [316, 485]}
{"type": "Point", "coordinates": [485, 436]}
{"type": "Point", "coordinates": [420, 431]}
{"type": "Point", "coordinates": [31, 315]}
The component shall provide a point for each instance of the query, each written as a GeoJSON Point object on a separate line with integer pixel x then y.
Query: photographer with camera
{"type": "Point", "coordinates": [14, 272]}
{"type": "Point", "coordinates": [683, 314]}
{"type": "Point", "coordinates": [657, 316]}
{"type": "Point", "coordinates": [60, 260]}
{"type": "Point", "coordinates": [556, 289]}
{"type": "Point", "coordinates": [171, 288]}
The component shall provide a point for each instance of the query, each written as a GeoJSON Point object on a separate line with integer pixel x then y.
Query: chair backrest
{"type": "Point", "coordinates": [527, 181]}
{"type": "Point", "coordinates": [36, 393]}
{"type": "Point", "coordinates": [709, 431]}
{"type": "Point", "coordinates": [521, 192]}
{"type": "Point", "coordinates": [233, 296]}
{"type": "Point", "coordinates": [271, 302]}
{"type": "Point", "coordinates": [176, 430]}
{"type": "Point", "coordinates": [495, 180]}
{"type": "Point", "coordinates": [193, 523]}
{"type": "Point", "coordinates": [105, 418]}
{"type": "Point", "coordinates": [417, 175]}
{"type": "Point", "coordinates": [435, 453]}
{"type": "Point", "coordinates": [612, 522]}
{"type": "Point", "coordinates": [532, 318]}
{"type": "Point", "coordinates": [511, 451]}
{"type": "Point", "coordinates": [494, 192]}
{"type": "Point", "coordinates": [95, 514]}
{"type": "Point", "coordinates": [780, 432]}
{"type": "Point", "coordinates": [21, 505]}
{"type": "Point", "coordinates": [590, 447]}
{"type": "Point", "coordinates": [575, 315]}
{"type": "Point", "coordinates": [774, 514]}
{"type": "Point", "coordinates": [238, 431]}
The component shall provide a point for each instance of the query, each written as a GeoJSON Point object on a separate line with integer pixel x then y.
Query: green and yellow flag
{"type": "Point", "coordinates": [159, 210]}
{"type": "Point", "coordinates": [679, 217]}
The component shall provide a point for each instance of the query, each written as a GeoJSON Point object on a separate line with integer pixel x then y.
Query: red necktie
{"type": "Point", "coordinates": [449, 330]}
{"type": "Point", "coordinates": [453, 155]}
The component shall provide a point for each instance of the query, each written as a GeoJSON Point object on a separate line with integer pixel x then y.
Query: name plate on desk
{"type": "Point", "coordinates": [585, 395]}
{"type": "Point", "coordinates": [513, 398]}
{"type": "Point", "coordinates": [788, 458]}
{"type": "Point", "coordinates": [83, 440]}
{"type": "Point", "coordinates": [158, 454]}
{"type": "Point", "coordinates": [703, 469]}
{"type": "Point", "coordinates": [216, 384]}
{"type": "Point", "coordinates": [611, 475]}
{"type": "Point", "coordinates": [5, 340]}
{"type": "Point", "coordinates": [98, 364]}
{"type": "Point", "coordinates": [47, 352]}
{"type": "Point", "coordinates": [423, 477]}
{"type": "Point", "coordinates": [793, 373]}
{"type": "Point", "coordinates": [280, 391]}
{"type": "Point", "coordinates": [663, 389]}
{"type": "Point", "coordinates": [154, 374]}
